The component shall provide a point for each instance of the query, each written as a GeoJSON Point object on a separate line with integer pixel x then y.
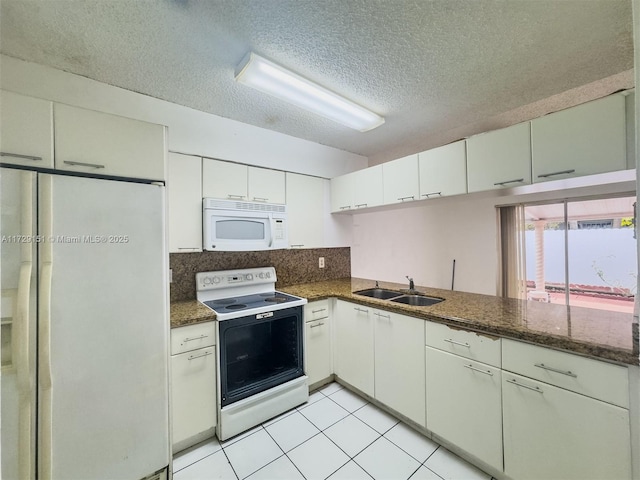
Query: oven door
{"type": "Point", "coordinates": [259, 352]}
{"type": "Point", "coordinates": [237, 231]}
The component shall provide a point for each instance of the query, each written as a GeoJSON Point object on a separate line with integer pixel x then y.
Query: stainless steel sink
{"type": "Point", "coordinates": [417, 300]}
{"type": "Point", "coordinates": [379, 293]}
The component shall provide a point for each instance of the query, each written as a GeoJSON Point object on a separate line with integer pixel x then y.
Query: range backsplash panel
{"type": "Point", "coordinates": [292, 266]}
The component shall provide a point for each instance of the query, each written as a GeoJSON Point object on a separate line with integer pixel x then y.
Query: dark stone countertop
{"type": "Point", "coordinates": [601, 334]}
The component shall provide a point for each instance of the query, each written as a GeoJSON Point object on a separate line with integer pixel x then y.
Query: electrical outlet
{"type": "Point", "coordinates": [321, 262]}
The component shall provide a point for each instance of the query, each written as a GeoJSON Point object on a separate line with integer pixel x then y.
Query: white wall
{"type": "Point", "coordinates": [422, 241]}
{"type": "Point", "coordinates": [190, 131]}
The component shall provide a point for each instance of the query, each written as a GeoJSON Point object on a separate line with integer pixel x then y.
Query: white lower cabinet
{"type": "Point", "coordinates": [317, 336]}
{"type": "Point", "coordinates": [464, 404]}
{"type": "Point", "coordinates": [193, 384]}
{"type": "Point", "coordinates": [553, 433]}
{"type": "Point", "coordinates": [399, 364]}
{"type": "Point", "coordinates": [354, 345]}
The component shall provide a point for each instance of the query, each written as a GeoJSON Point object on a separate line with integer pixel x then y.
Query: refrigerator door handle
{"type": "Point", "coordinates": [44, 323]}
{"type": "Point", "coordinates": [22, 329]}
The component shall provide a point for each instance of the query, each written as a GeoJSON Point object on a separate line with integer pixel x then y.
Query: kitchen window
{"type": "Point", "coordinates": [573, 252]}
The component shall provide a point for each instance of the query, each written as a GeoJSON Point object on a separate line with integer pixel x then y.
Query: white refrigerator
{"type": "Point", "coordinates": [84, 328]}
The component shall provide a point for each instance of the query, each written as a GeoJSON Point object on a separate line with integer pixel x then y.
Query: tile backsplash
{"type": "Point", "coordinates": [292, 266]}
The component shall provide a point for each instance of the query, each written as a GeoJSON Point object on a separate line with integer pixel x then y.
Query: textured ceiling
{"type": "Point", "coordinates": [437, 70]}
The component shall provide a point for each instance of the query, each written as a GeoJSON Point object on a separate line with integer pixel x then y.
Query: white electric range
{"type": "Point", "coordinates": [260, 346]}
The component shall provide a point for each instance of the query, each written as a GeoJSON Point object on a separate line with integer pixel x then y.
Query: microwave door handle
{"type": "Point", "coordinates": [272, 226]}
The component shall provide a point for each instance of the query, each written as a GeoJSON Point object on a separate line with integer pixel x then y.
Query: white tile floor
{"type": "Point", "coordinates": [336, 435]}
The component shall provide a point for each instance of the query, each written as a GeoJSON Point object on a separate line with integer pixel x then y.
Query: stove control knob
{"type": "Point", "coordinates": [216, 280]}
{"type": "Point", "coordinates": [261, 275]}
{"type": "Point", "coordinates": [249, 277]}
{"type": "Point", "coordinates": [268, 274]}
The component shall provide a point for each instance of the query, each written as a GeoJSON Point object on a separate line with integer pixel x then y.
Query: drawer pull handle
{"type": "Point", "coordinates": [484, 372]}
{"type": "Point", "coordinates": [260, 199]}
{"type": "Point", "coordinates": [568, 373]}
{"type": "Point", "coordinates": [82, 164]}
{"type": "Point", "coordinates": [449, 340]}
{"type": "Point", "coordinates": [363, 310]}
{"type": "Point", "coordinates": [515, 180]}
{"type": "Point", "coordinates": [432, 193]}
{"type": "Point", "coordinates": [194, 338]}
{"type": "Point", "coordinates": [552, 174]}
{"type": "Point", "coordinates": [382, 315]}
{"type": "Point", "coordinates": [319, 310]}
{"type": "Point", "coordinates": [535, 389]}
{"type": "Point", "coordinates": [345, 207]}
{"type": "Point", "coordinates": [192, 357]}
{"type": "Point", "coordinates": [402, 199]}
{"type": "Point", "coordinates": [297, 245]}
{"type": "Point", "coordinates": [316, 325]}
{"type": "Point", "coordinates": [18, 155]}
{"type": "Point", "coordinates": [361, 205]}
{"type": "Point", "coordinates": [235, 197]}
{"type": "Point", "coordinates": [188, 248]}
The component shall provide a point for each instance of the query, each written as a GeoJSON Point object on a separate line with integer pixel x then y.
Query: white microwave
{"type": "Point", "coordinates": [232, 226]}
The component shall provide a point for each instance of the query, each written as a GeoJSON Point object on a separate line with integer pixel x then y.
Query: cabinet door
{"type": "Point", "coordinates": [305, 210]}
{"type": "Point", "coordinates": [443, 170]}
{"type": "Point", "coordinates": [266, 185]}
{"type": "Point", "coordinates": [553, 433]}
{"type": "Point", "coordinates": [105, 144]}
{"type": "Point", "coordinates": [499, 159]}
{"type": "Point", "coordinates": [464, 404]}
{"type": "Point", "coordinates": [354, 345]}
{"type": "Point", "coordinates": [399, 364]}
{"type": "Point", "coordinates": [26, 133]}
{"type": "Point", "coordinates": [184, 203]}
{"type": "Point", "coordinates": [367, 187]}
{"type": "Point", "coordinates": [318, 365]}
{"type": "Point", "coordinates": [583, 140]}
{"type": "Point", "coordinates": [193, 393]}
{"type": "Point", "coordinates": [342, 193]}
{"type": "Point", "coordinates": [224, 180]}
{"type": "Point", "coordinates": [401, 181]}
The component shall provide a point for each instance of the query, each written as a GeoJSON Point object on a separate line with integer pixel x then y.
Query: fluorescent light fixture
{"type": "Point", "coordinates": [268, 77]}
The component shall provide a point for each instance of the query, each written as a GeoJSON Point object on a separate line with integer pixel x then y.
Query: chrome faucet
{"type": "Point", "coordinates": [412, 287]}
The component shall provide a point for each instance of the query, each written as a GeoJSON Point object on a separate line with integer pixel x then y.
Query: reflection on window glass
{"type": "Point", "coordinates": [582, 253]}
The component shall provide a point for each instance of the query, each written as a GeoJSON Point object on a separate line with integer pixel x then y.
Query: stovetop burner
{"type": "Point", "coordinates": [276, 299]}
{"type": "Point", "coordinates": [236, 306]}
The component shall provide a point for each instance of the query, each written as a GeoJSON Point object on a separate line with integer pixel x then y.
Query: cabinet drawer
{"type": "Point", "coordinates": [316, 310]}
{"type": "Point", "coordinates": [472, 345]}
{"type": "Point", "coordinates": [185, 339]}
{"type": "Point", "coordinates": [593, 378]}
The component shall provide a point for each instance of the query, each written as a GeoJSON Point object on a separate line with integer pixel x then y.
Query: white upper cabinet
{"type": "Point", "coordinates": [583, 140]}
{"type": "Point", "coordinates": [342, 193]}
{"type": "Point", "coordinates": [26, 130]}
{"type": "Point", "coordinates": [235, 181]}
{"type": "Point", "coordinates": [401, 182]}
{"type": "Point", "coordinates": [184, 203]}
{"type": "Point", "coordinates": [367, 187]}
{"type": "Point", "coordinates": [224, 180]}
{"type": "Point", "coordinates": [96, 142]}
{"type": "Point", "coordinates": [443, 170]}
{"type": "Point", "coordinates": [498, 159]}
{"type": "Point", "coordinates": [266, 185]}
{"type": "Point", "coordinates": [305, 210]}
